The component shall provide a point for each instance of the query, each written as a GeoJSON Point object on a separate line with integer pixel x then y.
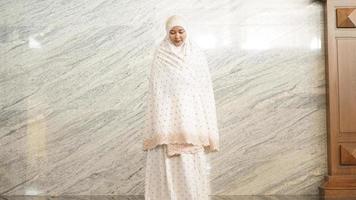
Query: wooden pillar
{"type": "Point", "coordinates": [341, 99]}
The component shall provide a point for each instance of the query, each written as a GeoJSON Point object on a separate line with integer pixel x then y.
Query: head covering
{"type": "Point", "coordinates": [180, 104]}
{"type": "Point", "coordinates": [176, 20]}
{"type": "Point", "coordinates": [181, 50]}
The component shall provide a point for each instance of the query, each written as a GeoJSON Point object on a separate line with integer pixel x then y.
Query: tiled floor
{"type": "Point", "coordinates": [140, 197]}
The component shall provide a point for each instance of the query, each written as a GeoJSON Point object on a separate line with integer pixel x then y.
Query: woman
{"type": "Point", "coordinates": [181, 125]}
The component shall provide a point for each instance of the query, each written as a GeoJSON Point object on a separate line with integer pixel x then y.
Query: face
{"type": "Point", "coordinates": [177, 35]}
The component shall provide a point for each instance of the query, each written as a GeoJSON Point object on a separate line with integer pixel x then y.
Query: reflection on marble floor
{"type": "Point", "coordinates": [141, 197]}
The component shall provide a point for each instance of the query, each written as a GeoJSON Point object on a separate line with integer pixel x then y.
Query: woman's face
{"type": "Point", "coordinates": [177, 35]}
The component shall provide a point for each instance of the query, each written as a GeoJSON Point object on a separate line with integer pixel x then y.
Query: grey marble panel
{"type": "Point", "coordinates": [73, 83]}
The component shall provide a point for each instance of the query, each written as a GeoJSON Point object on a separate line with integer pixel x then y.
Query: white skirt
{"type": "Point", "coordinates": [180, 177]}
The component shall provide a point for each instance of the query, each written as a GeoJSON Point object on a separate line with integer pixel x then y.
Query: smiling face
{"type": "Point", "coordinates": [177, 35]}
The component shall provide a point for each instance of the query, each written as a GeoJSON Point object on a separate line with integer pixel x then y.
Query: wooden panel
{"type": "Point", "coordinates": [341, 99]}
{"type": "Point", "coordinates": [346, 59]}
{"type": "Point", "coordinates": [346, 17]}
{"type": "Point", "coordinates": [348, 154]}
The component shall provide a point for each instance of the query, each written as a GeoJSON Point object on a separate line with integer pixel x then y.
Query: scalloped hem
{"type": "Point", "coordinates": [208, 144]}
{"type": "Point", "coordinates": [177, 149]}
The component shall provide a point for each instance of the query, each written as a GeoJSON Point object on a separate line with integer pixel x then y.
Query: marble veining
{"type": "Point", "coordinates": [73, 83]}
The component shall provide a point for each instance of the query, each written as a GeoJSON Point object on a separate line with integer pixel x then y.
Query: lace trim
{"type": "Point", "coordinates": [209, 144]}
{"type": "Point", "coordinates": [177, 149]}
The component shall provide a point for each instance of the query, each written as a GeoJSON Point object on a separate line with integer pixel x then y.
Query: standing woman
{"type": "Point", "coordinates": [181, 125]}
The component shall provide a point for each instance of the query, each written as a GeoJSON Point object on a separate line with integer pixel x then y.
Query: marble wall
{"type": "Point", "coordinates": [73, 80]}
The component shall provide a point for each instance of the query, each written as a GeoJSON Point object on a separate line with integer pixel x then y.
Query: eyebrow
{"type": "Point", "coordinates": [178, 30]}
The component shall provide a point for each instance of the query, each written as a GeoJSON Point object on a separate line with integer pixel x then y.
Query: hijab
{"type": "Point", "coordinates": [181, 104]}
{"type": "Point", "coordinates": [171, 22]}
